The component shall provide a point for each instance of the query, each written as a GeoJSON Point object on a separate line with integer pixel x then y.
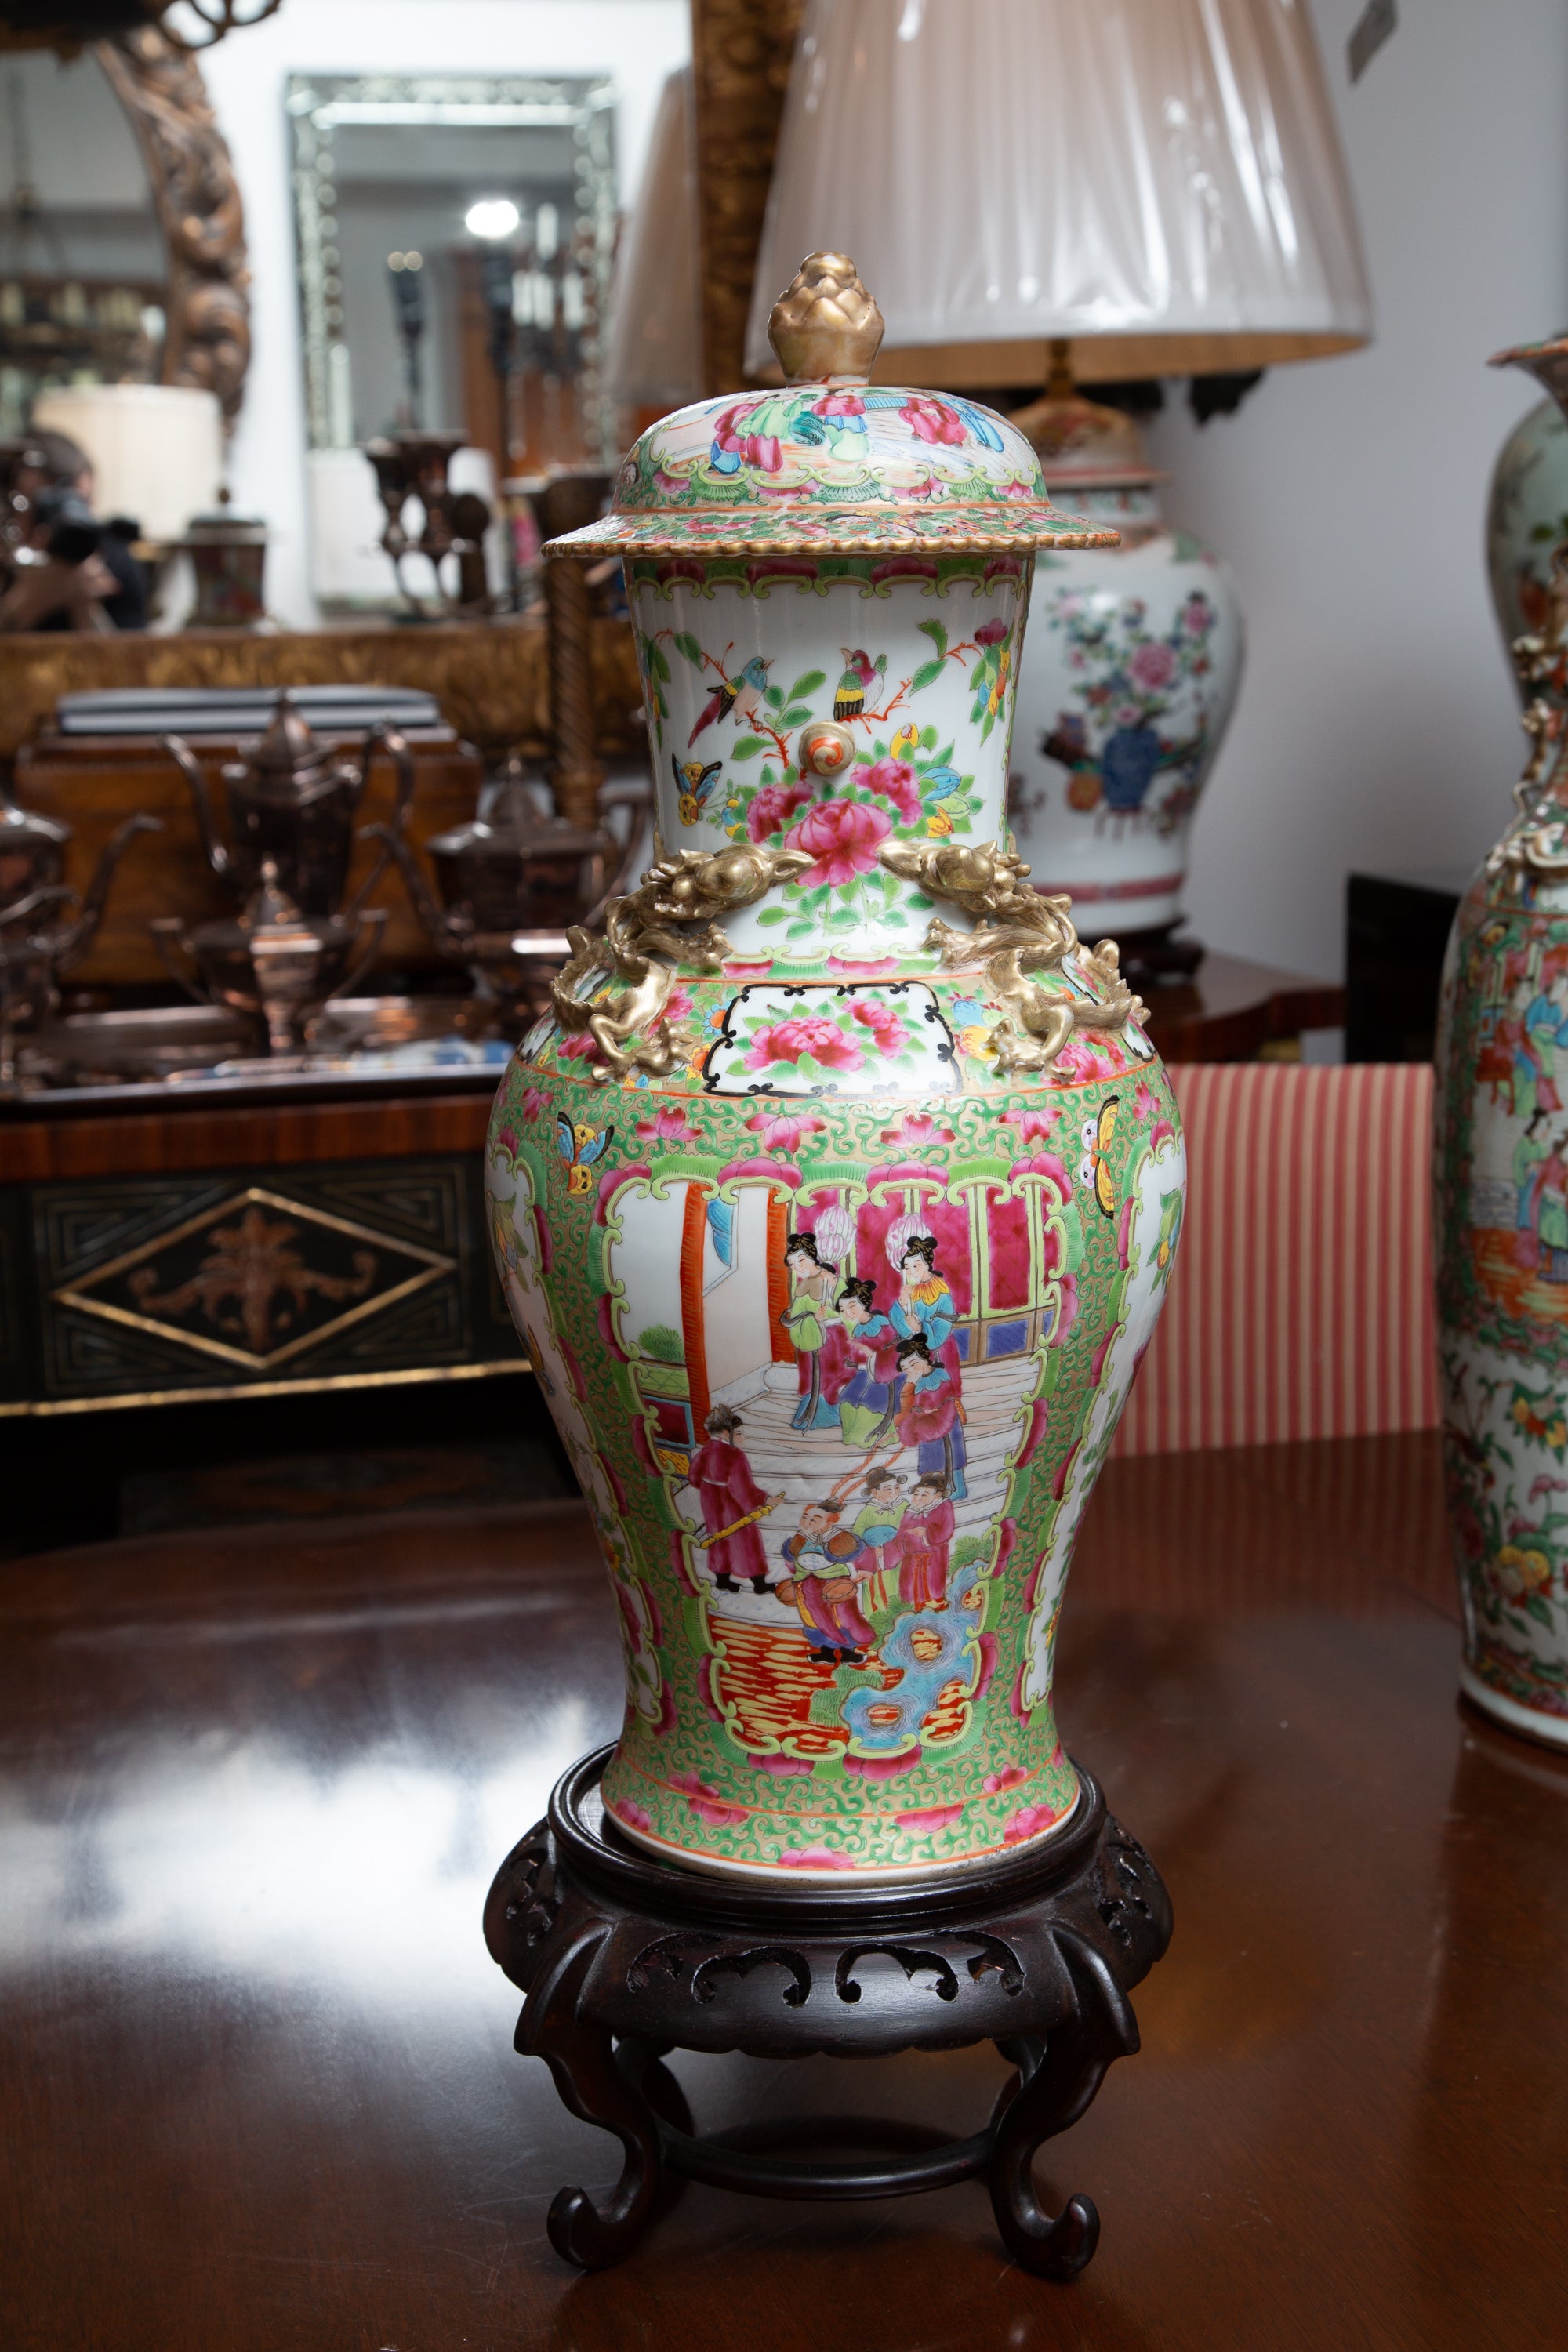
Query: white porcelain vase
{"type": "Point", "coordinates": [1128, 678]}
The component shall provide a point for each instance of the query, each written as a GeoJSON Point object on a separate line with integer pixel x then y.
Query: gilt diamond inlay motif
{"type": "Point", "coordinates": [256, 1279]}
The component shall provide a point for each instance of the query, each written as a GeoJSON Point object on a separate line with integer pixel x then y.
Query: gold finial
{"type": "Point", "coordinates": [824, 324]}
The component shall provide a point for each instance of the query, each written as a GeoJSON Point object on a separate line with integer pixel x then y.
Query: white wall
{"type": "Point", "coordinates": [1378, 725]}
{"type": "Point", "coordinates": [637, 41]}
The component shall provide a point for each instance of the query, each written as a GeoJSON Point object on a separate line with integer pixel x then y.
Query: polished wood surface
{"type": "Point", "coordinates": [54, 1137]}
{"type": "Point", "coordinates": [257, 2086]}
{"type": "Point", "coordinates": [1232, 1010]}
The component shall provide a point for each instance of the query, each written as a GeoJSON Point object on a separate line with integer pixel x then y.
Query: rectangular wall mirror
{"type": "Point", "coordinates": [431, 210]}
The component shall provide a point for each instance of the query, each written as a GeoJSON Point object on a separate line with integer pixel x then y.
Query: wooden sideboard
{"type": "Point", "coordinates": [165, 1244]}
{"type": "Point", "coordinates": [490, 678]}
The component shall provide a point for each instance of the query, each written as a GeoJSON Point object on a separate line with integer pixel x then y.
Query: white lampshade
{"type": "Point", "coordinates": [156, 448]}
{"type": "Point", "coordinates": [655, 332]}
{"type": "Point", "coordinates": [1158, 182]}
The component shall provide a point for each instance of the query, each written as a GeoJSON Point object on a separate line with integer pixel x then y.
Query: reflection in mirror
{"type": "Point", "coordinates": [83, 267]}
{"type": "Point", "coordinates": [455, 238]}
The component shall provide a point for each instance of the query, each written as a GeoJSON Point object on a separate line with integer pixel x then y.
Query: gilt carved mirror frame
{"type": "Point", "coordinates": [196, 198]}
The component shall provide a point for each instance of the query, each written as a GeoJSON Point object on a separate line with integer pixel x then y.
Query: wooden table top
{"type": "Point", "coordinates": [257, 2086]}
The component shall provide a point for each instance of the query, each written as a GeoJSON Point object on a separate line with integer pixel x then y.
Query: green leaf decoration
{"type": "Point", "coordinates": [1538, 1610]}
{"type": "Point", "coordinates": [927, 675]}
{"type": "Point", "coordinates": [844, 919]}
{"type": "Point", "coordinates": [687, 645]}
{"type": "Point", "coordinates": [928, 738]}
{"type": "Point", "coordinates": [773, 697]}
{"type": "Point", "coordinates": [944, 758]}
{"type": "Point", "coordinates": [748, 747]}
{"type": "Point", "coordinates": [806, 685]}
{"type": "Point", "coordinates": [657, 662]}
{"type": "Point", "coordinates": [800, 931]}
{"type": "Point", "coordinates": [921, 906]}
{"type": "Point", "coordinates": [938, 635]}
{"type": "Point", "coordinates": [771, 915]}
{"type": "Point", "coordinates": [796, 714]}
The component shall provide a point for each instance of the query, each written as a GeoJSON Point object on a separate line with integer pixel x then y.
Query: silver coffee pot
{"type": "Point", "coordinates": [293, 806]}
{"type": "Point", "coordinates": [273, 963]}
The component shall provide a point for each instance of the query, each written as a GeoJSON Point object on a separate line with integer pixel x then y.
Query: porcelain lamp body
{"type": "Point", "coordinates": [1128, 683]}
{"type": "Point", "coordinates": [836, 1313]}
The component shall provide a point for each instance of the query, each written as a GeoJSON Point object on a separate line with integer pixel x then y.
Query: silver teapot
{"type": "Point", "coordinates": [294, 807]}
{"type": "Point", "coordinates": [509, 887]}
{"type": "Point", "coordinates": [45, 924]}
{"type": "Point", "coordinates": [273, 963]}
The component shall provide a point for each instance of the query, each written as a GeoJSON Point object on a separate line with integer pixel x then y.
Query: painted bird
{"type": "Point", "coordinates": [745, 691]}
{"type": "Point", "coordinates": [694, 784]}
{"type": "Point", "coordinates": [859, 669]}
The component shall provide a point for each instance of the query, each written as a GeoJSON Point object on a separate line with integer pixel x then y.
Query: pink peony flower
{"type": "Point", "coordinates": [534, 1101]}
{"type": "Point", "coordinates": [1008, 1777]}
{"type": "Point", "coordinates": [884, 1024]}
{"type": "Point", "coordinates": [1033, 1126]}
{"type": "Point", "coordinates": [815, 1857]}
{"type": "Point", "coordinates": [808, 1033]}
{"type": "Point", "coordinates": [773, 808]}
{"type": "Point", "coordinates": [1144, 1101]}
{"type": "Point", "coordinates": [916, 1129]}
{"type": "Point", "coordinates": [706, 1803]}
{"type": "Point", "coordinates": [930, 1817]}
{"type": "Point", "coordinates": [1152, 666]}
{"type": "Point", "coordinates": [681, 1002]}
{"type": "Point", "coordinates": [578, 1049]}
{"type": "Point", "coordinates": [895, 780]}
{"type": "Point", "coordinates": [990, 632]}
{"type": "Point", "coordinates": [932, 419]}
{"type": "Point", "coordinates": [668, 1124]}
{"type": "Point", "coordinates": [842, 836]}
{"type": "Point", "coordinates": [782, 1134]}
{"type": "Point", "coordinates": [506, 1137]}
{"type": "Point", "coordinates": [634, 1816]}
{"type": "Point", "coordinates": [1027, 1822]}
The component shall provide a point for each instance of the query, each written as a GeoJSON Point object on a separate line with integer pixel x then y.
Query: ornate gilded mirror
{"type": "Point", "coordinates": [122, 233]}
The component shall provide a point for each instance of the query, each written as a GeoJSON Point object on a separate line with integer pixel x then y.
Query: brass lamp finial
{"type": "Point", "coordinates": [824, 324]}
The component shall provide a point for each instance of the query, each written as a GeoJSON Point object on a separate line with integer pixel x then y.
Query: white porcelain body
{"type": "Point", "coordinates": [1527, 515]}
{"type": "Point", "coordinates": [1131, 671]}
{"type": "Point", "coordinates": [939, 638]}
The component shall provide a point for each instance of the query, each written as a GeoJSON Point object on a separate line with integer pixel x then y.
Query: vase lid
{"type": "Point", "coordinates": [831, 462]}
{"type": "Point", "coordinates": [1546, 362]}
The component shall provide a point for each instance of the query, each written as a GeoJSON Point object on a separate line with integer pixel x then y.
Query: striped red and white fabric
{"type": "Point", "coordinates": [1300, 1301]}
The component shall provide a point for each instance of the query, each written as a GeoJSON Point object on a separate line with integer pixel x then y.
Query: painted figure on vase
{"type": "Point", "coordinates": [877, 1520]}
{"type": "Point", "coordinates": [924, 1308]}
{"type": "Point", "coordinates": [868, 1400]}
{"type": "Point", "coordinates": [733, 1504]}
{"type": "Point", "coordinates": [818, 1337]}
{"type": "Point", "coordinates": [827, 1566]}
{"type": "Point", "coordinates": [930, 1416]}
{"type": "Point", "coordinates": [923, 1540]}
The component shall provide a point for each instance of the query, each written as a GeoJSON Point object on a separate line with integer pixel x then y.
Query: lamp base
{"type": "Point", "coordinates": [1157, 958]}
{"type": "Point", "coordinates": [623, 1957]}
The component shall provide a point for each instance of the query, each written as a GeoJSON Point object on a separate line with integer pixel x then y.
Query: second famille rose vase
{"type": "Point", "coordinates": [837, 1196]}
{"type": "Point", "coordinates": [1501, 1202]}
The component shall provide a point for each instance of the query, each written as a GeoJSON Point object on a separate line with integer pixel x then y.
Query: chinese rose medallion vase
{"type": "Point", "coordinates": [836, 1198]}
{"type": "Point", "coordinates": [1501, 1204]}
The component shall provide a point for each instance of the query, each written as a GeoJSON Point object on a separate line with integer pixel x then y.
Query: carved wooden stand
{"type": "Point", "coordinates": [623, 1958]}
